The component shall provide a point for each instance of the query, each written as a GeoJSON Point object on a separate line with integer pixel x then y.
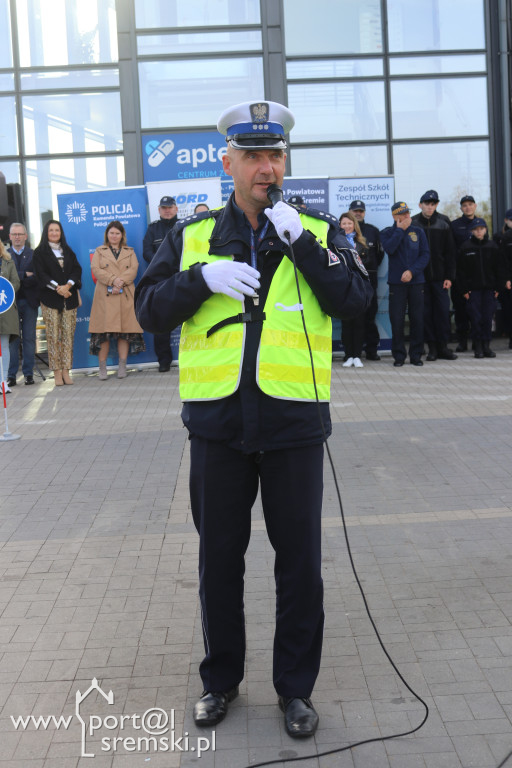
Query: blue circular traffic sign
{"type": "Point", "coordinates": [7, 294]}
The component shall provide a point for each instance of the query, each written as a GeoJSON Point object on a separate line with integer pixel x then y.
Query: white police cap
{"type": "Point", "coordinates": [256, 125]}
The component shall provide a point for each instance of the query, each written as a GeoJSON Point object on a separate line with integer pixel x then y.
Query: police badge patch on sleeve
{"type": "Point", "coordinates": [333, 259]}
{"type": "Point", "coordinates": [358, 262]}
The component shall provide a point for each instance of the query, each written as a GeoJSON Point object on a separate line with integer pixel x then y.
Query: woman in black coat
{"type": "Point", "coordinates": [59, 276]}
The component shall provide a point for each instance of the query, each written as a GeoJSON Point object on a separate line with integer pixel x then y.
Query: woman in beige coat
{"type": "Point", "coordinates": [114, 265]}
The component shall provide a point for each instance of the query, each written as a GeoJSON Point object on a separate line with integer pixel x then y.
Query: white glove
{"type": "Point", "coordinates": [233, 278]}
{"type": "Point", "coordinates": [285, 219]}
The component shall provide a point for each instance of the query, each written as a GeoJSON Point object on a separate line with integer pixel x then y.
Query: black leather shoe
{"type": "Point", "coordinates": [398, 363]}
{"type": "Point", "coordinates": [300, 717]}
{"type": "Point", "coordinates": [446, 354]}
{"type": "Point", "coordinates": [417, 362]}
{"type": "Point", "coordinates": [11, 381]}
{"type": "Point", "coordinates": [213, 707]}
{"type": "Point", "coordinates": [462, 346]}
{"type": "Point", "coordinates": [432, 353]}
{"type": "Point", "coordinates": [29, 379]}
{"type": "Point", "coordinates": [372, 356]}
{"type": "Point", "coordinates": [164, 367]}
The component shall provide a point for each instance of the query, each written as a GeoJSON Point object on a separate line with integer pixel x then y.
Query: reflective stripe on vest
{"type": "Point", "coordinates": [210, 368]}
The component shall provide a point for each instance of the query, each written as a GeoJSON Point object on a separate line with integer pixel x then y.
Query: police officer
{"type": "Point", "coordinates": [408, 254]}
{"type": "Point", "coordinates": [439, 277]}
{"type": "Point", "coordinates": [374, 260]}
{"type": "Point", "coordinates": [249, 399]}
{"type": "Point", "coordinates": [462, 231]}
{"type": "Point", "coordinates": [504, 240]}
{"type": "Point", "coordinates": [481, 273]}
{"type": "Point", "coordinates": [153, 239]}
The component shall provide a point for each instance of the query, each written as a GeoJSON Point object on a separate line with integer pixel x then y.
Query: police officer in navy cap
{"type": "Point", "coordinates": [153, 239]}
{"type": "Point", "coordinates": [439, 277]}
{"type": "Point", "coordinates": [462, 229]}
{"type": "Point", "coordinates": [408, 254]}
{"type": "Point", "coordinates": [375, 256]}
{"type": "Point", "coordinates": [249, 400]}
{"type": "Point", "coordinates": [504, 240]}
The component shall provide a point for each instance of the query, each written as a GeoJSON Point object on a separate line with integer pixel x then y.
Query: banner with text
{"type": "Point", "coordinates": [378, 195]}
{"type": "Point", "coordinates": [84, 217]}
{"type": "Point", "coordinates": [184, 156]}
{"type": "Point", "coordinates": [186, 193]}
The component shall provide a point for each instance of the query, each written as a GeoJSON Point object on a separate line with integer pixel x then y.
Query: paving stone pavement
{"type": "Point", "coordinates": [98, 576]}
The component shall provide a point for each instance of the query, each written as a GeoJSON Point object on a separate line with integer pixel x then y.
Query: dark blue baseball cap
{"type": "Point", "coordinates": [508, 214]}
{"type": "Point", "coordinates": [430, 196]}
{"type": "Point", "coordinates": [477, 222]}
{"type": "Point", "coordinates": [357, 205]}
{"type": "Point", "coordinates": [467, 199]}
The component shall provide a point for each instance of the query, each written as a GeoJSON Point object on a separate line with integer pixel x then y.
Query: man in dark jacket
{"type": "Point", "coordinates": [461, 229]}
{"type": "Point", "coordinates": [504, 241]}
{"type": "Point", "coordinates": [408, 255]}
{"type": "Point", "coordinates": [374, 260]}
{"type": "Point", "coordinates": [481, 273]}
{"type": "Point", "coordinates": [439, 277]}
{"type": "Point", "coordinates": [249, 402]}
{"type": "Point", "coordinates": [153, 239]}
{"type": "Point", "coordinates": [27, 301]}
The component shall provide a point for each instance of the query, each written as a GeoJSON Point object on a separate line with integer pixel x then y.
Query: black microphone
{"type": "Point", "coordinates": [274, 194]}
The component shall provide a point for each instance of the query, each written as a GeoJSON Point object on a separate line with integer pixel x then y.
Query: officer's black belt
{"type": "Point", "coordinates": [243, 317]}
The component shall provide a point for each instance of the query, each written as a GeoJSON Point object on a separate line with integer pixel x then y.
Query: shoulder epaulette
{"type": "Point", "coordinates": [316, 214]}
{"type": "Point", "coordinates": [195, 217]}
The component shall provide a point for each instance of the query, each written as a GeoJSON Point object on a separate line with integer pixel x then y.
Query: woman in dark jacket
{"type": "Point", "coordinates": [352, 331]}
{"type": "Point", "coordinates": [59, 276]}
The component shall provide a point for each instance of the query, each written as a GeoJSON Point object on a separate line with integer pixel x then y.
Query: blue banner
{"type": "Point", "coordinates": [84, 217]}
{"type": "Point", "coordinates": [184, 156]}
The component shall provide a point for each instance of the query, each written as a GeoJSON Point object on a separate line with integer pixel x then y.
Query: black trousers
{"type": "Point", "coordinates": [436, 314]}
{"type": "Point", "coordinates": [223, 488]}
{"type": "Point", "coordinates": [371, 332]}
{"type": "Point", "coordinates": [162, 344]}
{"type": "Point", "coordinates": [406, 297]}
{"type": "Point", "coordinates": [481, 306]}
{"type": "Point", "coordinates": [352, 336]}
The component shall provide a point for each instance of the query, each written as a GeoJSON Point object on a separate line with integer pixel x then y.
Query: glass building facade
{"type": "Point", "coordinates": [420, 91]}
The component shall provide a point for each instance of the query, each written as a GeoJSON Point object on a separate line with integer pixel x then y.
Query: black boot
{"type": "Point", "coordinates": [444, 353]}
{"type": "Point", "coordinates": [432, 351]}
{"type": "Point", "coordinates": [487, 351]}
{"type": "Point", "coordinates": [477, 346]}
{"type": "Point", "coordinates": [462, 346]}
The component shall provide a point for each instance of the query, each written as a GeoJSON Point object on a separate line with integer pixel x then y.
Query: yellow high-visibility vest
{"type": "Point", "coordinates": [210, 366]}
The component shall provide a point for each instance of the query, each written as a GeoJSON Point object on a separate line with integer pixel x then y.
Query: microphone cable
{"type": "Point", "coordinates": [352, 563]}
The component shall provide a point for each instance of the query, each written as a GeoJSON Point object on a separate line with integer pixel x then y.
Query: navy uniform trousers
{"type": "Point", "coordinates": [223, 488]}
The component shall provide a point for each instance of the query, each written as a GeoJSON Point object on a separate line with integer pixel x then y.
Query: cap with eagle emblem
{"type": "Point", "coordinates": [256, 125]}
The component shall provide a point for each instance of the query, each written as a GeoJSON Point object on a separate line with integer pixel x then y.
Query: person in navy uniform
{"type": "Point", "coordinates": [439, 277]}
{"type": "Point", "coordinates": [504, 241]}
{"type": "Point", "coordinates": [375, 254]}
{"type": "Point", "coordinates": [481, 274]}
{"type": "Point", "coordinates": [27, 300]}
{"type": "Point", "coordinates": [153, 239]}
{"type": "Point", "coordinates": [250, 407]}
{"type": "Point", "coordinates": [407, 249]}
{"type": "Point", "coordinates": [462, 231]}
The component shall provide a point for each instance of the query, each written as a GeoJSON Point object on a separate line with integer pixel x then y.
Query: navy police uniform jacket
{"type": "Point", "coordinates": [155, 236]}
{"type": "Point", "coordinates": [249, 420]}
{"type": "Point", "coordinates": [406, 249]}
{"type": "Point", "coordinates": [441, 245]}
{"type": "Point", "coordinates": [374, 246]}
{"type": "Point", "coordinates": [461, 229]}
{"type": "Point", "coordinates": [480, 266]}
{"type": "Point", "coordinates": [504, 241]}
